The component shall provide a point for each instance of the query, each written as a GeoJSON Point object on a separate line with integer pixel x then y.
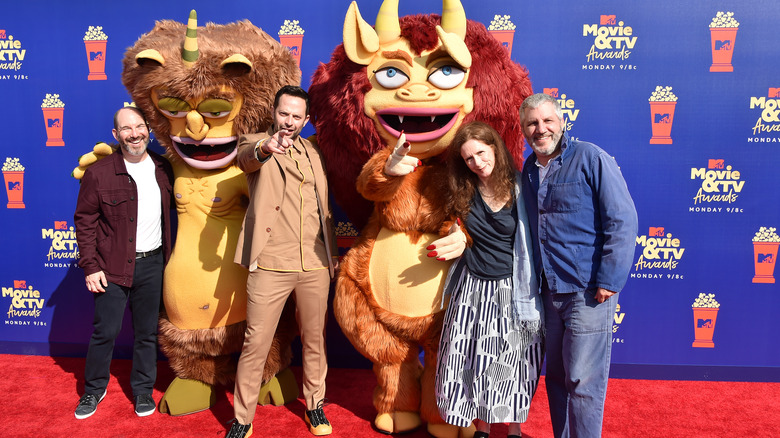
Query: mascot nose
{"type": "Point", "coordinates": [418, 93]}
{"type": "Point", "coordinates": [196, 127]}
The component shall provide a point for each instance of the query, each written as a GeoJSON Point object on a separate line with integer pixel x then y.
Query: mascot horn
{"type": "Point", "coordinates": [422, 75]}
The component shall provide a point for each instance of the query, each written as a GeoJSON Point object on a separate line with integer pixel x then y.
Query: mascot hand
{"type": "Point", "coordinates": [398, 163]}
{"type": "Point", "coordinates": [450, 246]}
{"type": "Point", "coordinates": [101, 150]}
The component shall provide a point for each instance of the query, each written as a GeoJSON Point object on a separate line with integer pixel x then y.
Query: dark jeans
{"type": "Point", "coordinates": [144, 297]}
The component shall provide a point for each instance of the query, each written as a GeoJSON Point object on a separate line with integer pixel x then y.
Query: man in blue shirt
{"type": "Point", "coordinates": [583, 227]}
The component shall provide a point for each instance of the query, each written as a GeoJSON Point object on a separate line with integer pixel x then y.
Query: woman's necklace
{"type": "Point", "coordinates": [490, 198]}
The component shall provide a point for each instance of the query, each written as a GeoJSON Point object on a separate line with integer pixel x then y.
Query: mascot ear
{"type": "Point", "coordinates": [455, 46]}
{"type": "Point", "coordinates": [150, 58]}
{"type": "Point", "coordinates": [236, 64]}
{"type": "Point", "coordinates": [361, 42]}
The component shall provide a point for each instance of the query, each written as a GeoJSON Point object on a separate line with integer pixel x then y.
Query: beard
{"type": "Point", "coordinates": [135, 150]}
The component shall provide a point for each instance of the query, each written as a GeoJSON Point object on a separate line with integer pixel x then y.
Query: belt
{"type": "Point", "coordinates": [140, 255]}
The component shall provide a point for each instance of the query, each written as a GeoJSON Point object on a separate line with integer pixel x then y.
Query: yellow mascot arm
{"type": "Point", "coordinates": [101, 150]}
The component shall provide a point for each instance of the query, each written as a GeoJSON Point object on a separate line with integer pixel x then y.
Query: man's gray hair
{"type": "Point", "coordinates": [535, 100]}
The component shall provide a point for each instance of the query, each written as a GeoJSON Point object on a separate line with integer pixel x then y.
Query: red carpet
{"type": "Point", "coordinates": [40, 393]}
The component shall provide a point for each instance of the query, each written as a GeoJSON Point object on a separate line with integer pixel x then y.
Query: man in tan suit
{"type": "Point", "coordinates": [287, 243]}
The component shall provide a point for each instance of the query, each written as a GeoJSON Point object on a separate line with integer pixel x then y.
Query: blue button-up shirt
{"type": "Point", "coordinates": [582, 219]}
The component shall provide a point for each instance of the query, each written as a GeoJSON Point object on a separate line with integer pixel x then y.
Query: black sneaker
{"type": "Point", "coordinates": [144, 405]}
{"type": "Point", "coordinates": [318, 424]}
{"type": "Point", "coordinates": [88, 405]}
{"type": "Point", "coordinates": [238, 430]}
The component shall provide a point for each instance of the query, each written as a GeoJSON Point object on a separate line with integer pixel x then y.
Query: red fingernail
{"type": "Point", "coordinates": [419, 163]}
{"type": "Point", "coordinates": [441, 259]}
{"type": "Point", "coordinates": [457, 219]}
{"type": "Point", "coordinates": [430, 247]}
{"type": "Point", "coordinates": [407, 144]}
{"type": "Point", "coordinates": [432, 254]}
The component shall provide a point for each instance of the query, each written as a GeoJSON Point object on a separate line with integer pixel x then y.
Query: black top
{"type": "Point", "coordinates": [493, 235]}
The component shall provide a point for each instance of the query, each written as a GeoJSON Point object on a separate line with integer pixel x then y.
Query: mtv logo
{"type": "Point", "coordinates": [774, 92]}
{"type": "Point", "coordinates": [2, 34]}
{"type": "Point", "coordinates": [96, 56]}
{"type": "Point", "coordinates": [20, 284]}
{"type": "Point", "coordinates": [715, 164]}
{"type": "Point", "coordinates": [294, 50]}
{"type": "Point", "coordinates": [663, 118]}
{"type": "Point", "coordinates": [14, 185]}
{"type": "Point", "coordinates": [60, 225]}
{"type": "Point", "coordinates": [723, 45]}
{"type": "Point", "coordinates": [765, 258]}
{"type": "Point", "coordinates": [53, 123]}
{"type": "Point", "coordinates": [656, 232]}
{"type": "Point", "coordinates": [704, 323]}
{"type": "Point", "coordinates": [551, 91]}
{"type": "Point", "coordinates": [608, 20]}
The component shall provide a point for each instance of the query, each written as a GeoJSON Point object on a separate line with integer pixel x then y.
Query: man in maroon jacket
{"type": "Point", "coordinates": [123, 230]}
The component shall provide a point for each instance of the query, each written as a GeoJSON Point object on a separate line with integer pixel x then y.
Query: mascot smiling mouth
{"type": "Point", "coordinates": [211, 153]}
{"type": "Point", "coordinates": [419, 124]}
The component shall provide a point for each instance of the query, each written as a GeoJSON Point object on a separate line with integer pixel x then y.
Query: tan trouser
{"type": "Point", "coordinates": [267, 292]}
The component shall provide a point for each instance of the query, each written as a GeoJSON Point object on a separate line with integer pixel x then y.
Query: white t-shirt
{"type": "Point", "coordinates": [149, 220]}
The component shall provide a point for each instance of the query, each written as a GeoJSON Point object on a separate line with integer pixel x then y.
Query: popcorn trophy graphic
{"type": "Point", "coordinates": [503, 30]}
{"type": "Point", "coordinates": [662, 103]}
{"type": "Point", "coordinates": [53, 111]}
{"type": "Point", "coordinates": [95, 44]}
{"type": "Point", "coordinates": [291, 36]}
{"type": "Point", "coordinates": [13, 174]}
{"type": "Point", "coordinates": [723, 33]}
{"type": "Point", "coordinates": [345, 235]}
{"type": "Point", "coordinates": [765, 244]}
{"type": "Point", "coordinates": [705, 313]}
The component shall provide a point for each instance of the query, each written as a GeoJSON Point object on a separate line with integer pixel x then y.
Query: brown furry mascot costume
{"type": "Point", "coordinates": [422, 75]}
{"type": "Point", "coordinates": [200, 87]}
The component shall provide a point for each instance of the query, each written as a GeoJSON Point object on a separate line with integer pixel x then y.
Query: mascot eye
{"type": "Point", "coordinates": [446, 77]}
{"type": "Point", "coordinates": [391, 77]}
{"type": "Point", "coordinates": [215, 108]}
{"type": "Point", "coordinates": [215, 115]}
{"type": "Point", "coordinates": [174, 114]}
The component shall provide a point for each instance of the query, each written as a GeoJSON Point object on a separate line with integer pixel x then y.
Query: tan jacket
{"type": "Point", "coordinates": [266, 191]}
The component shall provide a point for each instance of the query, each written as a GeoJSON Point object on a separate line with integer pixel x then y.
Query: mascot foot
{"type": "Point", "coordinates": [443, 430]}
{"type": "Point", "coordinates": [397, 422]}
{"type": "Point", "coordinates": [187, 396]}
{"type": "Point", "coordinates": [281, 389]}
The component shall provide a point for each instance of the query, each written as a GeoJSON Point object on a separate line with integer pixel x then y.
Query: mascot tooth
{"type": "Point", "coordinates": [422, 75]}
{"type": "Point", "coordinates": [201, 87]}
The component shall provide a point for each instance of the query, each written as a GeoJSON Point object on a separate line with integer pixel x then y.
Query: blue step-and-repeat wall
{"type": "Point", "coordinates": [685, 95]}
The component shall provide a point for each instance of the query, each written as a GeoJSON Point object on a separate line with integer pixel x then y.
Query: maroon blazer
{"type": "Point", "coordinates": [106, 212]}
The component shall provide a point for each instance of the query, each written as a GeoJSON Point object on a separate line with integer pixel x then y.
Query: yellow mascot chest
{"type": "Point", "coordinates": [203, 287]}
{"type": "Point", "coordinates": [404, 280]}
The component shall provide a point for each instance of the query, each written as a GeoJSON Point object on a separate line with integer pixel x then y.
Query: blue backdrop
{"type": "Point", "coordinates": [684, 94]}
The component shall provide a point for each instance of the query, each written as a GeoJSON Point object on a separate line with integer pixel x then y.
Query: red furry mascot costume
{"type": "Point", "coordinates": [422, 75]}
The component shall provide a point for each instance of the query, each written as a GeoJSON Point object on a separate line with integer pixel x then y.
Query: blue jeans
{"type": "Point", "coordinates": [579, 343]}
{"type": "Point", "coordinates": [144, 297]}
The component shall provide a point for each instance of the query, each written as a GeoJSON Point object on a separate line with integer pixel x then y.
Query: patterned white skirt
{"type": "Point", "coordinates": [488, 367]}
